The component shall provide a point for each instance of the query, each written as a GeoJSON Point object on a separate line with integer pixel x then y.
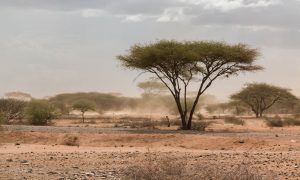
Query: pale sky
{"type": "Point", "coordinates": [56, 46]}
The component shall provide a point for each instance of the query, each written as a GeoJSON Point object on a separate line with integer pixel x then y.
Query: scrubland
{"type": "Point", "coordinates": [135, 147]}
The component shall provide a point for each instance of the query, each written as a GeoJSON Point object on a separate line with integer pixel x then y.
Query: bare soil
{"type": "Point", "coordinates": [103, 152]}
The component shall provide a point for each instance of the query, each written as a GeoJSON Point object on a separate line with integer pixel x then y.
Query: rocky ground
{"type": "Point", "coordinates": [44, 162]}
{"type": "Point", "coordinates": [28, 152]}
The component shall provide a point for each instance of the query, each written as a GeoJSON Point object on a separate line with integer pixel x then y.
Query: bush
{"type": "Point", "coordinates": [200, 116]}
{"type": "Point", "coordinates": [200, 125]}
{"type": "Point", "coordinates": [39, 112]}
{"type": "Point", "coordinates": [279, 122]}
{"type": "Point", "coordinates": [71, 141]}
{"type": "Point", "coordinates": [234, 120]}
{"type": "Point", "coordinates": [292, 122]}
{"type": "Point", "coordinates": [11, 109]}
{"type": "Point", "coordinates": [275, 122]}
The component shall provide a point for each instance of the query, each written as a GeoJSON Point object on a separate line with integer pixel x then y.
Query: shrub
{"type": "Point", "coordinates": [275, 122]}
{"type": "Point", "coordinates": [71, 141]}
{"type": "Point", "coordinates": [39, 112]}
{"type": "Point", "coordinates": [200, 116]}
{"type": "Point", "coordinates": [11, 109]}
{"type": "Point", "coordinates": [292, 122]}
{"type": "Point", "coordinates": [234, 120]}
{"type": "Point", "coordinates": [280, 122]}
{"type": "Point", "coordinates": [200, 125]}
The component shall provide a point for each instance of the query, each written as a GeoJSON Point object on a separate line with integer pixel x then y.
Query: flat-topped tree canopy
{"type": "Point", "coordinates": [178, 63]}
{"type": "Point", "coordinates": [261, 96]}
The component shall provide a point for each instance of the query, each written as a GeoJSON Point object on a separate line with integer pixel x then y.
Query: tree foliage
{"type": "Point", "coordinates": [21, 96]}
{"type": "Point", "coordinates": [102, 101]}
{"type": "Point", "coordinates": [152, 87]}
{"type": "Point", "coordinates": [39, 112]}
{"type": "Point", "coordinates": [11, 109]}
{"type": "Point", "coordinates": [260, 97]}
{"type": "Point", "coordinates": [83, 106]}
{"type": "Point", "coordinates": [178, 64]}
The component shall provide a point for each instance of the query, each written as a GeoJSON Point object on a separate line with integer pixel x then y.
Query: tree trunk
{"type": "Point", "coordinates": [189, 125]}
{"type": "Point", "coordinates": [182, 114]}
{"type": "Point", "coordinates": [256, 114]}
{"type": "Point", "coordinates": [183, 123]}
{"type": "Point", "coordinates": [261, 114]}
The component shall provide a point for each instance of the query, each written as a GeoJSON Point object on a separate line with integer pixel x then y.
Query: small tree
{"type": "Point", "coordinates": [11, 109]}
{"type": "Point", "coordinates": [238, 107]}
{"type": "Point", "coordinates": [83, 106]}
{"type": "Point", "coordinates": [178, 64]}
{"type": "Point", "coordinates": [260, 97]}
{"type": "Point", "coordinates": [39, 112]}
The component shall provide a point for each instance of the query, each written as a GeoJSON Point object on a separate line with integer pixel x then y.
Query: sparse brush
{"type": "Point", "coordinates": [71, 141]}
{"type": "Point", "coordinates": [140, 124]}
{"type": "Point", "coordinates": [200, 116]}
{"type": "Point", "coordinates": [154, 168]}
{"type": "Point", "coordinates": [297, 115]}
{"type": "Point", "coordinates": [167, 168]}
{"type": "Point", "coordinates": [176, 122]}
{"type": "Point", "coordinates": [292, 122]}
{"type": "Point", "coordinates": [200, 125]}
{"type": "Point", "coordinates": [234, 120]}
{"type": "Point", "coordinates": [280, 122]}
{"type": "Point", "coordinates": [274, 122]}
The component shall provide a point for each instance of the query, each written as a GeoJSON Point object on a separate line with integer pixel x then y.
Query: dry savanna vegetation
{"type": "Point", "coordinates": [174, 130]}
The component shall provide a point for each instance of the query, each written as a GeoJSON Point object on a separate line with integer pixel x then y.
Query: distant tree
{"type": "Point", "coordinates": [11, 109]}
{"type": "Point", "coordinates": [217, 108]}
{"type": "Point", "coordinates": [21, 96]}
{"type": "Point", "coordinates": [238, 107]}
{"type": "Point", "coordinates": [39, 112]}
{"type": "Point", "coordinates": [83, 106]}
{"type": "Point", "coordinates": [61, 107]}
{"type": "Point", "coordinates": [260, 97]}
{"type": "Point", "coordinates": [178, 64]}
{"type": "Point", "coordinates": [102, 101]}
{"type": "Point", "coordinates": [152, 87]}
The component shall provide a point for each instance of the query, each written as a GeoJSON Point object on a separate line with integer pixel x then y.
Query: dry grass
{"type": "Point", "coordinates": [200, 125]}
{"type": "Point", "coordinates": [168, 168]}
{"type": "Point", "coordinates": [155, 169]}
{"type": "Point", "coordinates": [292, 122]}
{"type": "Point", "coordinates": [234, 120]}
{"type": "Point", "coordinates": [281, 122]}
{"type": "Point", "coordinates": [71, 141]}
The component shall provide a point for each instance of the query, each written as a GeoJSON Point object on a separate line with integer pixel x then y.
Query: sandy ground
{"type": "Point", "coordinates": [28, 152]}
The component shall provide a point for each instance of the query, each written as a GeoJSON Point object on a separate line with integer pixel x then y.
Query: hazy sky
{"type": "Point", "coordinates": [54, 46]}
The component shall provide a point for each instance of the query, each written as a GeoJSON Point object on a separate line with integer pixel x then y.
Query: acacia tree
{"type": "Point", "coordinates": [178, 64]}
{"type": "Point", "coordinates": [260, 97]}
{"type": "Point", "coordinates": [152, 87]}
{"type": "Point", "coordinates": [83, 106]}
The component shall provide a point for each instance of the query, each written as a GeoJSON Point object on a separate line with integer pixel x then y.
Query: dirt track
{"type": "Point", "coordinates": [279, 134]}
